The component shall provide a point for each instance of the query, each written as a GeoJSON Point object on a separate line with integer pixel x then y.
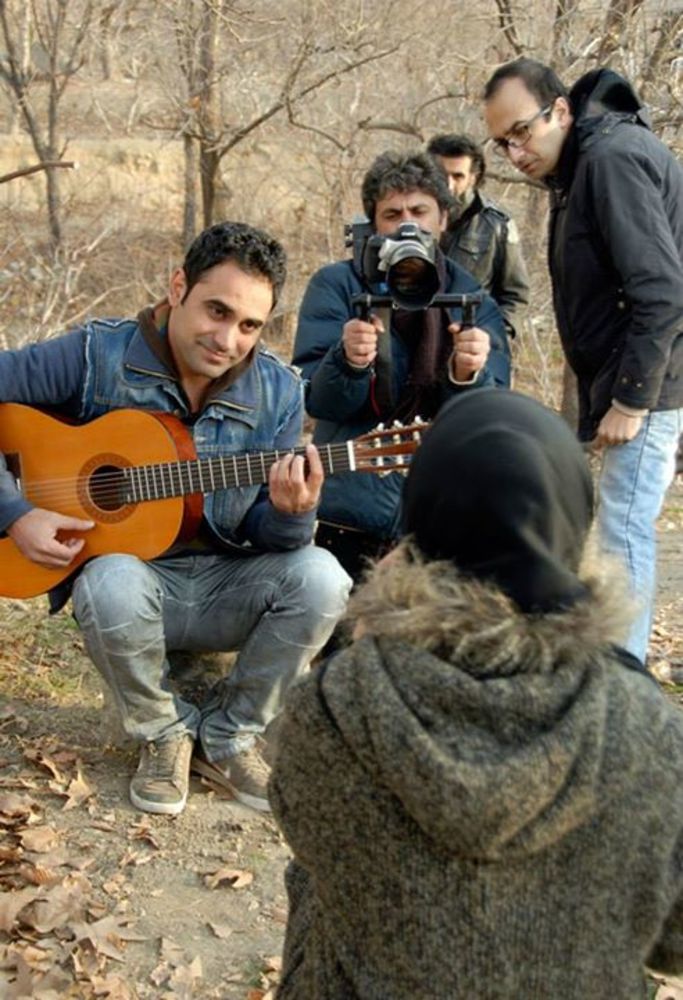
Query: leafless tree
{"type": "Point", "coordinates": [243, 68]}
{"type": "Point", "coordinates": [59, 29]}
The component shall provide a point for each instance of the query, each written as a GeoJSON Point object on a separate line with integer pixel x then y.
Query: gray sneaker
{"type": "Point", "coordinates": [161, 781]}
{"type": "Point", "coordinates": [245, 775]}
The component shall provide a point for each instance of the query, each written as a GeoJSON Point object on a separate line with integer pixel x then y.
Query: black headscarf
{"type": "Point", "coordinates": [501, 487]}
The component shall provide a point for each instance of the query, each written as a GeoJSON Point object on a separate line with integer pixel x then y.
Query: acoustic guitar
{"type": "Point", "coordinates": [136, 474]}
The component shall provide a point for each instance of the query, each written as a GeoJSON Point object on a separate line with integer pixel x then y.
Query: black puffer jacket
{"type": "Point", "coordinates": [616, 254]}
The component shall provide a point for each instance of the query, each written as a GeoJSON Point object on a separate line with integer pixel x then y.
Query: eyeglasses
{"type": "Point", "coordinates": [519, 134]}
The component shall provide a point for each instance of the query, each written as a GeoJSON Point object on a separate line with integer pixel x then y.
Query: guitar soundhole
{"type": "Point", "coordinates": [102, 488]}
{"type": "Point", "coordinates": [107, 488]}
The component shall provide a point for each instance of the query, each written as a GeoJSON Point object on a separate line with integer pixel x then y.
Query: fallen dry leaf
{"type": "Point", "coordinates": [161, 974]}
{"type": "Point", "coordinates": [171, 952]}
{"type": "Point", "coordinates": [59, 904]}
{"type": "Point", "coordinates": [79, 791]}
{"type": "Point", "coordinates": [107, 935]}
{"type": "Point", "coordinates": [221, 931]}
{"type": "Point", "coordinates": [114, 885]}
{"type": "Point", "coordinates": [10, 855]}
{"type": "Point", "coordinates": [112, 987]}
{"type": "Point", "coordinates": [42, 760]}
{"type": "Point", "coordinates": [17, 809]}
{"type": "Point", "coordinates": [133, 858]}
{"type": "Point", "coordinates": [38, 874]}
{"type": "Point", "coordinates": [11, 905]}
{"type": "Point", "coordinates": [235, 877]}
{"type": "Point", "coordinates": [141, 831]}
{"type": "Point", "coordinates": [183, 979]}
{"type": "Point", "coordinates": [40, 839]}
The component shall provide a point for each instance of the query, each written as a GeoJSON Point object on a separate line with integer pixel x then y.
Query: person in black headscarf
{"type": "Point", "coordinates": [483, 793]}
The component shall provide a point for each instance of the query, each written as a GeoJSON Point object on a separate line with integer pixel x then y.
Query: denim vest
{"type": "Point", "coordinates": [261, 411]}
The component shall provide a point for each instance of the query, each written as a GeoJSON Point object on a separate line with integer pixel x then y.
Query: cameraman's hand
{"type": "Point", "coordinates": [359, 340]}
{"type": "Point", "coordinates": [471, 348]}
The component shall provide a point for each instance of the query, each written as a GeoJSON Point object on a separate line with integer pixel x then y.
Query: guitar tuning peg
{"type": "Point", "coordinates": [397, 423]}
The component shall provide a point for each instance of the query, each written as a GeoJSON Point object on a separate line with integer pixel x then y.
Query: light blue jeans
{"type": "Point", "coordinates": [277, 609]}
{"type": "Point", "coordinates": [633, 482]}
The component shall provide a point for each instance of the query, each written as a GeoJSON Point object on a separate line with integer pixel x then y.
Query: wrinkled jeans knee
{"type": "Point", "coordinates": [119, 595]}
{"type": "Point", "coordinates": [118, 604]}
{"type": "Point", "coordinates": [315, 583]}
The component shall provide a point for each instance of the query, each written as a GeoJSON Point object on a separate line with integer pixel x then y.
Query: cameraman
{"type": "Point", "coordinates": [396, 364]}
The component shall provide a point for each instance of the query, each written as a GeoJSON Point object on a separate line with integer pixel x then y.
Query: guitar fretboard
{"type": "Point", "coordinates": [206, 475]}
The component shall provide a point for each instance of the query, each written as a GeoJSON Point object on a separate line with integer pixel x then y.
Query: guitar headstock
{"type": "Point", "coordinates": [388, 449]}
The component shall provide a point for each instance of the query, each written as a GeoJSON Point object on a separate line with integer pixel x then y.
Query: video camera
{"type": "Point", "coordinates": [405, 261]}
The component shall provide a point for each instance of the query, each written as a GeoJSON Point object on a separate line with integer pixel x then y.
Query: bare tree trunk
{"type": "Point", "coordinates": [64, 52]}
{"type": "Point", "coordinates": [209, 157]}
{"type": "Point", "coordinates": [24, 53]}
{"type": "Point", "coordinates": [190, 183]}
{"type": "Point", "coordinates": [620, 13]}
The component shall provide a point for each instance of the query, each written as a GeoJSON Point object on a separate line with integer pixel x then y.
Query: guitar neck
{"type": "Point", "coordinates": [206, 475]}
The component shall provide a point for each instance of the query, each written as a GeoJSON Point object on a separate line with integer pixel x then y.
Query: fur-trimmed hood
{"type": "Point", "coordinates": [490, 726]}
{"type": "Point", "coordinates": [429, 604]}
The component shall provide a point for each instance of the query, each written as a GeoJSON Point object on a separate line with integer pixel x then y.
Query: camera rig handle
{"type": "Point", "coordinates": [364, 302]}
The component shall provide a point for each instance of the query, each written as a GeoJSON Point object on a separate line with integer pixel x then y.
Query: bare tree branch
{"type": "Point", "coordinates": [312, 128]}
{"type": "Point", "coordinates": [619, 14]}
{"type": "Point", "coordinates": [403, 128]}
{"type": "Point", "coordinates": [25, 171]}
{"type": "Point", "coordinates": [280, 104]}
{"type": "Point", "coordinates": [507, 23]}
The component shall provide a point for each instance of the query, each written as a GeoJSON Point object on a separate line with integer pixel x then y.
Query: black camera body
{"type": "Point", "coordinates": [405, 260]}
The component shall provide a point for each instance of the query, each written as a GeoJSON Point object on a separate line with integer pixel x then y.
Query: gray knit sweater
{"type": "Point", "coordinates": [481, 804]}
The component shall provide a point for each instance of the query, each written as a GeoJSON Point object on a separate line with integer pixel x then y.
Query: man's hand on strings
{"type": "Point", "coordinates": [46, 538]}
{"type": "Point", "coordinates": [295, 482]}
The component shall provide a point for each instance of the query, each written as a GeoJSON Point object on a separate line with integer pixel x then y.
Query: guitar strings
{"type": "Point", "coordinates": [174, 473]}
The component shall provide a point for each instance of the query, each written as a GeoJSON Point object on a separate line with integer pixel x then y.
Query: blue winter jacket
{"type": "Point", "coordinates": [338, 396]}
{"type": "Point", "coordinates": [107, 365]}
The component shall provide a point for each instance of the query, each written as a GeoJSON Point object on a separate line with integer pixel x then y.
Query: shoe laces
{"type": "Point", "coordinates": [253, 764]}
{"type": "Point", "coordinates": [165, 756]}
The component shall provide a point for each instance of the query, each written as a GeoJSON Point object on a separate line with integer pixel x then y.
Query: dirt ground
{"type": "Point", "coordinates": [102, 901]}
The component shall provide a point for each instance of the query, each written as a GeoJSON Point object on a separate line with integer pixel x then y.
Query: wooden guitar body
{"type": "Point", "coordinates": [73, 470]}
{"type": "Point", "coordinates": [137, 476]}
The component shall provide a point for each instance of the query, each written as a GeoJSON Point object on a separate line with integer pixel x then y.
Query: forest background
{"type": "Point", "coordinates": [146, 120]}
{"type": "Point", "coordinates": [179, 113]}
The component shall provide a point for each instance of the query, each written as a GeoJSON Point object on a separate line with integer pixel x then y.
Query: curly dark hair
{"type": "Point", "coordinates": [452, 144]}
{"type": "Point", "coordinates": [540, 80]}
{"type": "Point", "coordinates": [404, 172]}
{"type": "Point", "coordinates": [254, 250]}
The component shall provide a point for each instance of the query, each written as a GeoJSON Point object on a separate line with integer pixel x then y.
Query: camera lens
{"type": "Point", "coordinates": [412, 277]}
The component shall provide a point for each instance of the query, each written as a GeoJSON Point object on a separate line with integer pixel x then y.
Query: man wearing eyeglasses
{"type": "Point", "coordinates": [616, 266]}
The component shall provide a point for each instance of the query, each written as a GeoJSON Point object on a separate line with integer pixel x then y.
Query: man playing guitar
{"type": "Point", "coordinates": [248, 579]}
